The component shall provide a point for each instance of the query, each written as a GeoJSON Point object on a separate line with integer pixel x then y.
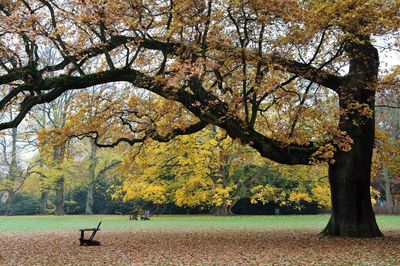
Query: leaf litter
{"type": "Point", "coordinates": [198, 247]}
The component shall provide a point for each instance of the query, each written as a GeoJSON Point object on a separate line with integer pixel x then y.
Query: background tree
{"type": "Point", "coordinates": [293, 186]}
{"type": "Point", "coordinates": [90, 112]}
{"type": "Point", "coordinates": [195, 170]}
{"type": "Point", "coordinates": [53, 142]}
{"type": "Point", "coordinates": [210, 170]}
{"type": "Point", "coordinates": [388, 137]}
{"type": "Point", "coordinates": [45, 117]}
{"type": "Point", "coordinates": [15, 171]}
{"type": "Point", "coordinates": [13, 145]}
{"type": "Point", "coordinates": [98, 168]}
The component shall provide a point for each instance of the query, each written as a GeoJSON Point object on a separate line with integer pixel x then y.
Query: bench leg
{"type": "Point", "coordinates": [82, 237]}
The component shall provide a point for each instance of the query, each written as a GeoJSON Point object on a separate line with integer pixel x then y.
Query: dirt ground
{"type": "Point", "coordinates": [196, 247]}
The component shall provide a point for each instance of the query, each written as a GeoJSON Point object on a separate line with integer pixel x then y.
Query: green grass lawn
{"type": "Point", "coordinates": [173, 222]}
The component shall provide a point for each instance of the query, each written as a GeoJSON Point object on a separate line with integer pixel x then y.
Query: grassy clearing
{"type": "Point", "coordinates": [175, 222]}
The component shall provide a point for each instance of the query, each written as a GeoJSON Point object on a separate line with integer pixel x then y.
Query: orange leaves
{"type": "Point", "coordinates": [269, 12]}
{"type": "Point", "coordinates": [390, 81]}
{"type": "Point", "coordinates": [342, 141]}
{"type": "Point", "coordinates": [50, 140]}
{"type": "Point", "coordinates": [120, 113]}
{"type": "Point", "coordinates": [183, 246]}
{"type": "Point", "coordinates": [356, 109]}
{"type": "Point", "coordinates": [359, 18]}
{"type": "Point", "coordinates": [93, 112]}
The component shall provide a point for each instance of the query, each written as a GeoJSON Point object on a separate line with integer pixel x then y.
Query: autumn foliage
{"type": "Point", "coordinates": [295, 80]}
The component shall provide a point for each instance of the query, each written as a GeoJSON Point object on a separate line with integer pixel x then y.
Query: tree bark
{"type": "Point", "coordinates": [230, 210]}
{"type": "Point", "coordinates": [12, 171]}
{"type": "Point", "coordinates": [388, 192]}
{"type": "Point", "coordinates": [349, 177]}
{"type": "Point", "coordinates": [92, 177]}
{"type": "Point", "coordinates": [10, 204]}
{"type": "Point", "coordinates": [59, 196]}
{"type": "Point", "coordinates": [89, 199]}
{"type": "Point", "coordinates": [58, 157]}
{"type": "Point", "coordinates": [43, 202]}
{"type": "Point", "coordinates": [350, 174]}
{"type": "Point", "coordinates": [222, 210]}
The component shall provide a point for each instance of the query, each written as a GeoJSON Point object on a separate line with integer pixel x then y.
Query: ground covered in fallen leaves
{"type": "Point", "coordinates": [181, 247]}
{"type": "Point", "coordinates": [197, 246]}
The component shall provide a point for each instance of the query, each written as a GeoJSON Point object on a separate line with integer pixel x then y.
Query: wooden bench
{"type": "Point", "coordinates": [146, 215]}
{"type": "Point", "coordinates": [90, 241]}
{"type": "Point", "coordinates": [134, 215]}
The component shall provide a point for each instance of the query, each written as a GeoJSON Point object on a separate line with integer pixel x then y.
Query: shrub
{"type": "Point", "coordinates": [24, 204]}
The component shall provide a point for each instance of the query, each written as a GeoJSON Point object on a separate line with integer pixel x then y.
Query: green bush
{"type": "Point", "coordinates": [72, 207]}
{"type": "Point", "coordinates": [24, 204]}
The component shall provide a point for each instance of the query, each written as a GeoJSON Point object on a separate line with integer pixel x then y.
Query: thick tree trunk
{"type": "Point", "coordinates": [60, 197]}
{"type": "Point", "coordinates": [222, 210]}
{"type": "Point", "coordinates": [10, 205]}
{"type": "Point", "coordinates": [89, 199]}
{"type": "Point", "coordinates": [43, 202]}
{"type": "Point", "coordinates": [230, 207]}
{"type": "Point", "coordinates": [58, 157]}
{"type": "Point", "coordinates": [350, 174]}
{"type": "Point", "coordinates": [349, 177]}
{"type": "Point", "coordinates": [230, 210]}
{"type": "Point", "coordinates": [92, 178]}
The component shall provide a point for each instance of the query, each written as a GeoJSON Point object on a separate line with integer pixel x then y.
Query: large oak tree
{"type": "Point", "coordinates": [295, 80]}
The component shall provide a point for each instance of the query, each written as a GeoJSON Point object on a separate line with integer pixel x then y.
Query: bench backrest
{"type": "Point", "coordinates": [95, 231]}
{"type": "Point", "coordinates": [98, 226]}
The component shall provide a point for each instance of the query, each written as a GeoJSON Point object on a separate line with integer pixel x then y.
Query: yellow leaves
{"type": "Point", "coordinates": [266, 193]}
{"type": "Point", "coordinates": [299, 195]}
{"type": "Point", "coordinates": [361, 110]}
{"type": "Point", "coordinates": [374, 195]}
{"type": "Point", "coordinates": [294, 186]}
{"type": "Point", "coordinates": [153, 192]}
{"type": "Point", "coordinates": [52, 173]}
{"type": "Point", "coordinates": [223, 195]}
{"type": "Point", "coordinates": [387, 154]}
{"type": "Point", "coordinates": [198, 170]}
{"type": "Point", "coordinates": [213, 142]}
{"type": "Point", "coordinates": [321, 194]}
{"type": "Point", "coordinates": [32, 185]}
{"type": "Point", "coordinates": [195, 192]}
{"type": "Point", "coordinates": [7, 184]}
{"type": "Point", "coordinates": [124, 113]}
{"type": "Point", "coordinates": [193, 170]}
{"type": "Point", "coordinates": [141, 174]}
